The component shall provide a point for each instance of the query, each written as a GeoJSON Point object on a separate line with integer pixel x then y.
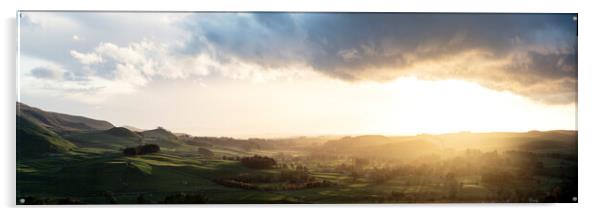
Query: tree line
{"type": "Point", "coordinates": [141, 150]}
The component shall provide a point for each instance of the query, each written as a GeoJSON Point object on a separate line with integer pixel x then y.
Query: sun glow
{"type": "Point", "coordinates": [457, 105]}
{"type": "Point", "coordinates": [318, 105]}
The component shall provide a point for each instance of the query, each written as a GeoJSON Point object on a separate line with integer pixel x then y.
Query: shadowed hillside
{"type": "Point", "coordinates": [59, 122]}
{"type": "Point", "coordinates": [33, 140]}
{"type": "Point", "coordinates": [161, 137]}
{"type": "Point", "coordinates": [115, 138]}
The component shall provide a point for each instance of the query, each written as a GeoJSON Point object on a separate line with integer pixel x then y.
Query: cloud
{"type": "Point", "coordinates": [111, 70]}
{"type": "Point", "coordinates": [50, 72]}
{"type": "Point", "coordinates": [86, 58]}
{"type": "Point", "coordinates": [50, 35]}
{"type": "Point", "coordinates": [533, 55]}
{"type": "Point", "coordinates": [267, 39]}
{"type": "Point", "coordinates": [508, 52]}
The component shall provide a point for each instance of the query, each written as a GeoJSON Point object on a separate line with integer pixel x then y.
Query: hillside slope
{"type": "Point", "coordinates": [59, 122]}
{"type": "Point", "coordinates": [115, 138]}
{"type": "Point", "coordinates": [34, 140]}
{"type": "Point", "coordinates": [411, 146]}
{"type": "Point", "coordinates": [161, 137]}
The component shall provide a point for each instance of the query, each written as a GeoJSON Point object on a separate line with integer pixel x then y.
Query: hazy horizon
{"type": "Point", "coordinates": [286, 136]}
{"type": "Point", "coordinates": [303, 74]}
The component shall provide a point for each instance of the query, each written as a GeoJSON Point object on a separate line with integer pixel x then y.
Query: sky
{"type": "Point", "coordinates": [295, 74]}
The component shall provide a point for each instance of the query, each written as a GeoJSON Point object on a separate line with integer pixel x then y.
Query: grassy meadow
{"type": "Point", "coordinates": [90, 167]}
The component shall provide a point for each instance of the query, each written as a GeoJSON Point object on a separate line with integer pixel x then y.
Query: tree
{"type": "Point", "coordinates": [140, 150]}
{"type": "Point", "coordinates": [258, 162]}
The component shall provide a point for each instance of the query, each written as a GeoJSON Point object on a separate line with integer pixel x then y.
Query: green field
{"type": "Point", "coordinates": [96, 176]}
{"type": "Point", "coordinates": [83, 162]}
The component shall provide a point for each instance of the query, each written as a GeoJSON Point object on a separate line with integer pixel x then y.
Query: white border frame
{"type": "Point", "coordinates": [588, 111]}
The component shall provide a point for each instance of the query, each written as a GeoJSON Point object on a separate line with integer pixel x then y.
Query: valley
{"type": "Point", "coordinates": [63, 159]}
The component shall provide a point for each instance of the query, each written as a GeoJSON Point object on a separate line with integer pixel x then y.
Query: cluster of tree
{"type": "Point", "coordinates": [376, 174]}
{"type": "Point", "coordinates": [233, 158]}
{"type": "Point", "coordinates": [288, 179]}
{"type": "Point", "coordinates": [258, 162]}
{"type": "Point", "coordinates": [502, 174]}
{"type": "Point", "coordinates": [298, 175]}
{"type": "Point", "coordinates": [535, 156]}
{"type": "Point", "coordinates": [569, 157]}
{"type": "Point", "coordinates": [140, 150]}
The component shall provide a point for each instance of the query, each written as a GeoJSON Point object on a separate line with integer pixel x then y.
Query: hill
{"type": "Point", "coordinates": [122, 132]}
{"type": "Point", "coordinates": [161, 137]}
{"type": "Point", "coordinates": [410, 146]}
{"type": "Point", "coordinates": [115, 138]}
{"type": "Point", "coordinates": [34, 140]}
{"type": "Point", "coordinates": [549, 141]}
{"type": "Point", "coordinates": [380, 146]}
{"type": "Point", "coordinates": [132, 128]}
{"type": "Point", "coordinates": [59, 122]}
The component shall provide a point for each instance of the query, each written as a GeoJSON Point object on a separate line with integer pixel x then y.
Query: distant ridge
{"type": "Point", "coordinates": [132, 128]}
{"type": "Point", "coordinates": [161, 137]}
{"type": "Point", "coordinates": [408, 146]}
{"type": "Point", "coordinates": [160, 133]}
{"type": "Point", "coordinates": [122, 132]}
{"type": "Point", "coordinates": [59, 122]}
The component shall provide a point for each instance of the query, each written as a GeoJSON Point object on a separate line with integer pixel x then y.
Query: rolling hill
{"type": "Point", "coordinates": [409, 146]}
{"type": "Point", "coordinates": [132, 128]}
{"type": "Point", "coordinates": [163, 138]}
{"type": "Point", "coordinates": [116, 138]}
{"type": "Point", "coordinates": [33, 140]}
{"type": "Point", "coordinates": [380, 146]}
{"type": "Point", "coordinates": [59, 122]}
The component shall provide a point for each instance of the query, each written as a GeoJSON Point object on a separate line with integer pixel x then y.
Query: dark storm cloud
{"type": "Point", "coordinates": [539, 49]}
{"type": "Point", "coordinates": [389, 39]}
{"type": "Point", "coordinates": [267, 39]}
{"type": "Point", "coordinates": [278, 22]}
